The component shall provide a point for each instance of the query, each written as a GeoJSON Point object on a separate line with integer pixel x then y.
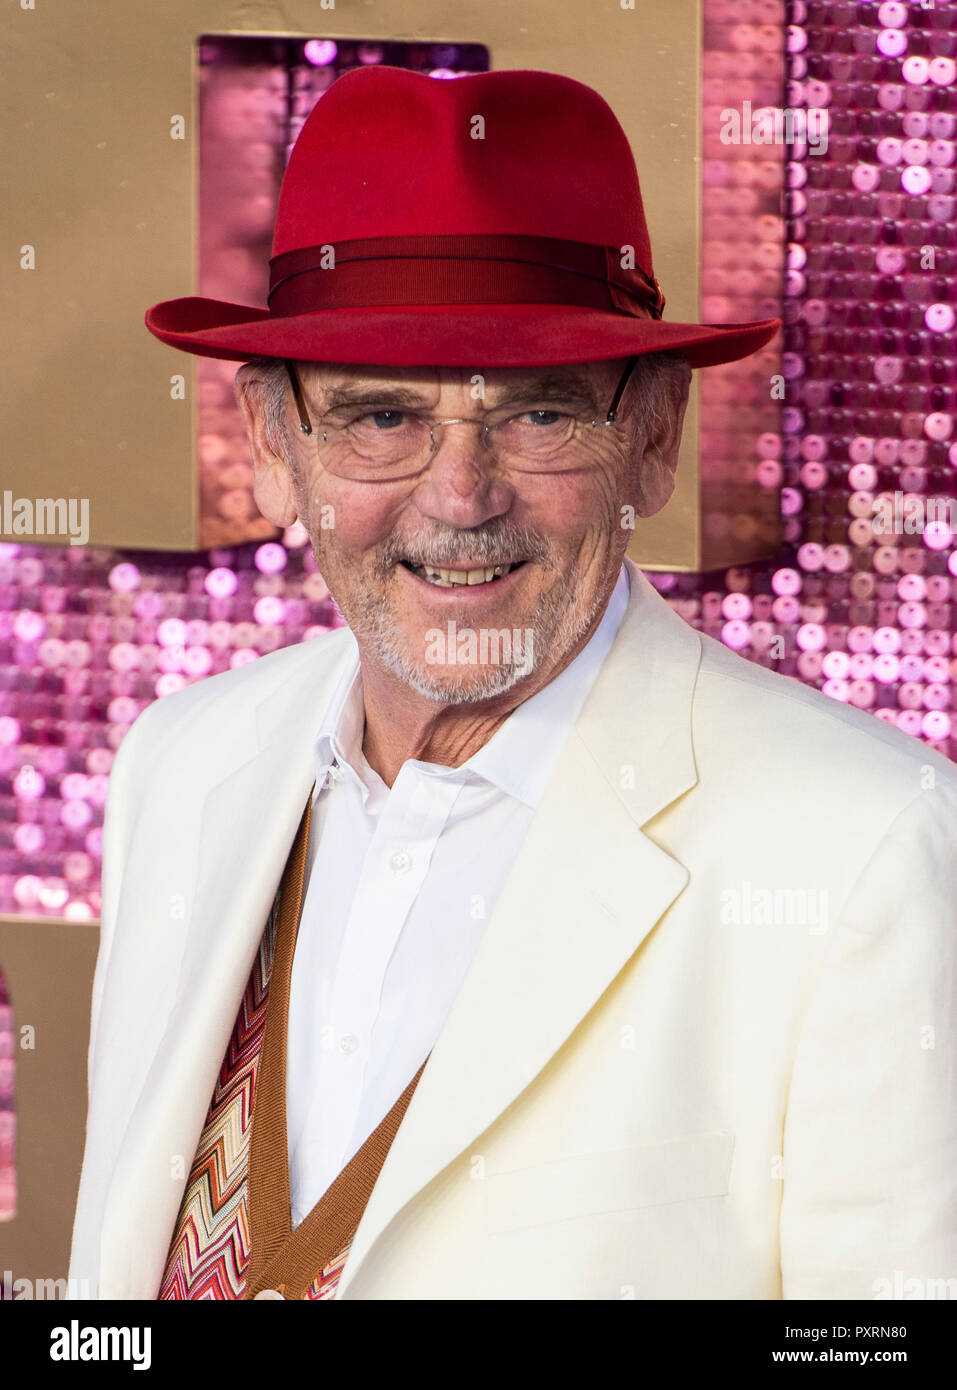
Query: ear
{"type": "Point", "coordinates": [655, 481]}
{"type": "Point", "coordinates": [273, 482]}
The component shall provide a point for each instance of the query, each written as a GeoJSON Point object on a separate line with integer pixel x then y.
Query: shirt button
{"type": "Point", "coordinates": [348, 1043]}
{"type": "Point", "coordinates": [269, 1293]}
{"type": "Point", "coordinates": [400, 862]}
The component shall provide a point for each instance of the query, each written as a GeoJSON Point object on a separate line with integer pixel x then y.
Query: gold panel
{"type": "Point", "coordinates": [48, 969]}
{"type": "Point", "coordinates": [108, 201]}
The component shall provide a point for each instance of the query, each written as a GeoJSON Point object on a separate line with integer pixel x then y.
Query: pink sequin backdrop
{"type": "Point", "coordinates": [860, 601]}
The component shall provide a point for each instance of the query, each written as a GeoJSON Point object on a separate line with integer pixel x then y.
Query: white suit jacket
{"type": "Point", "coordinates": [651, 1084]}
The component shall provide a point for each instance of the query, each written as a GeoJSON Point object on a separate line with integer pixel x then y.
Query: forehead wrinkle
{"type": "Point", "coordinates": [551, 387]}
{"type": "Point", "coordinates": [339, 383]}
{"type": "Point", "coordinates": [548, 383]}
{"type": "Point", "coordinates": [377, 392]}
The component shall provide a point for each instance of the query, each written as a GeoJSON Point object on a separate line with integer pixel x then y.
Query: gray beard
{"type": "Point", "coordinates": [556, 626]}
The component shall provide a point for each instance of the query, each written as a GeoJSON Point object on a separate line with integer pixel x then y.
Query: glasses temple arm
{"type": "Point", "coordinates": [612, 415]}
{"type": "Point", "coordinates": [304, 422]}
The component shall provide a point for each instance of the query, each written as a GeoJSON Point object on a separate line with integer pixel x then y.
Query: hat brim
{"type": "Point", "coordinates": [454, 335]}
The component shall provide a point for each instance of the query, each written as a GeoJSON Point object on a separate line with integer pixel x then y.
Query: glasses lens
{"type": "Point", "coordinates": [369, 441]}
{"type": "Point", "coordinates": [384, 442]}
{"type": "Point", "coordinates": [385, 434]}
{"type": "Point", "coordinates": [534, 439]}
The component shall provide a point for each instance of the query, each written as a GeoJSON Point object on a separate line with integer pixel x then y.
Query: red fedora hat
{"type": "Point", "coordinates": [490, 220]}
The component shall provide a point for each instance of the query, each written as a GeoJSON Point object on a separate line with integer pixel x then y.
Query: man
{"type": "Point", "coordinates": [557, 951]}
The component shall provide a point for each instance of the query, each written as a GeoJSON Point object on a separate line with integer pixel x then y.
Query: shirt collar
{"type": "Point", "coordinates": [338, 746]}
{"type": "Point", "coordinates": [519, 757]}
{"type": "Point", "coordinates": [522, 753]}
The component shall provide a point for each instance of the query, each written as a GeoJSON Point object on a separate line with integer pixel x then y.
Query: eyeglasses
{"type": "Point", "coordinates": [371, 442]}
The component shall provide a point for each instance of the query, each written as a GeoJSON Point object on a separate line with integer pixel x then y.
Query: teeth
{"type": "Point", "coordinates": [448, 578]}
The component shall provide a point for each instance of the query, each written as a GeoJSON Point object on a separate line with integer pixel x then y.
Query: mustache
{"type": "Point", "coordinates": [490, 545]}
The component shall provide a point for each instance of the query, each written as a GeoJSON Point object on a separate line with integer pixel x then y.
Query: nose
{"type": "Point", "coordinates": [462, 486]}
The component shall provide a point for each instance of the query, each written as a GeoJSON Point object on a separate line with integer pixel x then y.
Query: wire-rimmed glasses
{"type": "Point", "coordinates": [376, 442]}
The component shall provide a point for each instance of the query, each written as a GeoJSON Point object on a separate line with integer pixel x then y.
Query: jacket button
{"type": "Point", "coordinates": [269, 1293]}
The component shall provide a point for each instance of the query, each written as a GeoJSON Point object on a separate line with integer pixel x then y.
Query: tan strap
{"type": "Point", "coordinates": [280, 1258]}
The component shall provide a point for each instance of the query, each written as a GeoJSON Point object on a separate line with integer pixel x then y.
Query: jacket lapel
{"type": "Point", "coordinates": [586, 889]}
{"type": "Point", "coordinates": [249, 821]}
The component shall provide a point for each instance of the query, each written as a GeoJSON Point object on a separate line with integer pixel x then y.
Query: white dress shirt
{"type": "Point", "coordinates": [400, 884]}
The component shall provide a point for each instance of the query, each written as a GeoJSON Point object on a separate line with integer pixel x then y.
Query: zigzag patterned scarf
{"type": "Point", "coordinates": [209, 1252]}
{"type": "Point", "coordinates": [239, 1181]}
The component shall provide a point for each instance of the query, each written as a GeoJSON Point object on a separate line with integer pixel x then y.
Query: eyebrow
{"type": "Point", "coordinates": [553, 387]}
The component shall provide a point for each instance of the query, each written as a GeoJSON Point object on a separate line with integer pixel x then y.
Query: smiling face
{"type": "Point", "coordinates": [469, 540]}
